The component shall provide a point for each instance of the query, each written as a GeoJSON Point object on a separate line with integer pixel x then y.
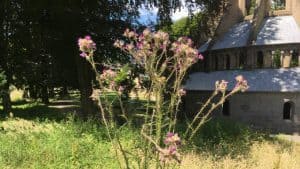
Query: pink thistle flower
{"type": "Point", "coordinates": [200, 56]}
{"type": "Point", "coordinates": [87, 37]}
{"type": "Point", "coordinates": [168, 154]}
{"type": "Point", "coordinates": [146, 32]}
{"type": "Point", "coordinates": [241, 83]}
{"type": "Point", "coordinates": [120, 89]}
{"type": "Point", "coordinates": [87, 46]}
{"type": "Point", "coordinates": [221, 86]}
{"type": "Point", "coordinates": [119, 44]}
{"type": "Point", "coordinates": [182, 92]}
{"type": "Point", "coordinates": [172, 139]}
{"type": "Point", "coordinates": [83, 54]}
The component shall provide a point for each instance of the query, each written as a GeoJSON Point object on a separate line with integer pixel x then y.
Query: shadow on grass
{"type": "Point", "coordinates": [223, 137]}
{"type": "Point", "coordinates": [41, 112]}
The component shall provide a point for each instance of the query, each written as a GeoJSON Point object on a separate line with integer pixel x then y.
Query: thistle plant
{"type": "Point", "coordinates": [165, 64]}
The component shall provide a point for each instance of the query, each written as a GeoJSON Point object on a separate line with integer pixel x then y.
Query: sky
{"type": "Point", "coordinates": [148, 16]}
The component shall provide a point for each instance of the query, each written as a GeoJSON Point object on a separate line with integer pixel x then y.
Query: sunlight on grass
{"type": "Point", "coordinates": [16, 94]}
{"type": "Point", "coordinates": [76, 144]}
{"type": "Point", "coordinates": [265, 155]}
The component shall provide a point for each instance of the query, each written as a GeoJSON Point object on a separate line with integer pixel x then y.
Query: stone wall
{"type": "Point", "coordinates": [234, 13]}
{"type": "Point", "coordinates": [296, 11]}
{"type": "Point", "coordinates": [257, 109]}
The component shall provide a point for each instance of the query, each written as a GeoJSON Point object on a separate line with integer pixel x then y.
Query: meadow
{"type": "Point", "coordinates": [40, 136]}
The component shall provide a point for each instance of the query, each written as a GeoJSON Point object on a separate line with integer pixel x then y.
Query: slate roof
{"type": "Point", "coordinates": [260, 80]}
{"type": "Point", "coordinates": [279, 30]}
{"type": "Point", "coordinates": [275, 30]}
{"type": "Point", "coordinates": [237, 36]}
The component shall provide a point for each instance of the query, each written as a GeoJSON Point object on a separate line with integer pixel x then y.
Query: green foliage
{"type": "Point", "coordinates": [183, 27]}
{"type": "Point", "coordinates": [198, 27]}
{"type": "Point", "coordinates": [251, 7]}
{"type": "Point", "coordinates": [277, 61]}
{"type": "Point", "coordinates": [278, 4]}
{"type": "Point", "coordinates": [122, 74]}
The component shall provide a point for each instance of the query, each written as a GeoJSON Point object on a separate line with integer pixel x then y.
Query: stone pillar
{"type": "Point", "coordinates": [267, 59]}
{"type": "Point", "coordinates": [273, 57]}
{"type": "Point", "coordinates": [298, 59]}
{"type": "Point", "coordinates": [287, 58]}
{"type": "Point", "coordinates": [288, 5]}
{"type": "Point", "coordinates": [281, 57]}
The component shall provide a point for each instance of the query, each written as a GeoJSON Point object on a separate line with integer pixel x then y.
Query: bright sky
{"type": "Point", "coordinates": [150, 16]}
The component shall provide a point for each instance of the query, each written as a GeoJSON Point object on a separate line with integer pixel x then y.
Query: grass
{"type": "Point", "coordinates": [69, 144]}
{"type": "Point", "coordinates": [43, 137]}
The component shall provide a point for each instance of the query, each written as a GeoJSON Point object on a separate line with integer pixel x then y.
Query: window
{"type": "Point", "coordinates": [295, 58]}
{"type": "Point", "coordinates": [226, 108]}
{"type": "Point", "coordinates": [250, 6]}
{"type": "Point", "coordinates": [288, 108]}
{"type": "Point", "coordinates": [227, 62]}
{"type": "Point", "coordinates": [260, 59]}
{"type": "Point", "coordinates": [278, 4]}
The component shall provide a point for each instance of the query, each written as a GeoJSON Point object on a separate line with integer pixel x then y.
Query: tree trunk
{"type": "Point", "coordinates": [45, 95]}
{"type": "Point", "coordinates": [32, 92]}
{"type": "Point", "coordinates": [6, 102]}
{"type": "Point", "coordinates": [64, 92]}
{"type": "Point", "coordinates": [85, 78]}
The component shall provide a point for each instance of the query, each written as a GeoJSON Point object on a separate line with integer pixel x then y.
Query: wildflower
{"type": "Point", "coordinates": [129, 47]}
{"type": "Point", "coordinates": [161, 36]}
{"type": "Point", "coordinates": [200, 56]}
{"type": "Point", "coordinates": [168, 154]}
{"type": "Point", "coordinates": [83, 55]}
{"type": "Point", "coordinates": [146, 32]}
{"type": "Point", "coordinates": [87, 46]}
{"type": "Point", "coordinates": [182, 92]}
{"type": "Point", "coordinates": [172, 139]}
{"type": "Point", "coordinates": [221, 86]}
{"type": "Point", "coordinates": [241, 83]}
{"type": "Point", "coordinates": [120, 89]}
{"type": "Point", "coordinates": [126, 33]}
{"type": "Point", "coordinates": [130, 34]}
{"type": "Point", "coordinates": [95, 95]}
{"type": "Point", "coordinates": [119, 43]}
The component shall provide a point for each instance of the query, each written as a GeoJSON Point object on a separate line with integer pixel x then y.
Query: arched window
{"type": "Point", "coordinates": [278, 4]}
{"type": "Point", "coordinates": [288, 109]}
{"type": "Point", "coordinates": [227, 62]}
{"type": "Point", "coordinates": [295, 58]}
{"type": "Point", "coordinates": [260, 59]}
{"type": "Point", "coordinates": [226, 108]}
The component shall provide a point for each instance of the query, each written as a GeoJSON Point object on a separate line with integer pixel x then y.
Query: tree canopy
{"type": "Point", "coordinates": [38, 45]}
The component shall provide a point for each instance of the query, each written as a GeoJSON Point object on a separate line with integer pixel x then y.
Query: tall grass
{"type": "Point", "coordinates": [76, 144]}
{"type": "Point", "coordinates": [69, 144]}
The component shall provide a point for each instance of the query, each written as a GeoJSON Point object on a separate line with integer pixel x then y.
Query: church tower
{"type": "Point", "coordinates": [234, 13]}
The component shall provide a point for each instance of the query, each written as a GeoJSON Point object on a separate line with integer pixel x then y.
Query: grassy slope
{"type": "Point", "coordinates": [29, 142]}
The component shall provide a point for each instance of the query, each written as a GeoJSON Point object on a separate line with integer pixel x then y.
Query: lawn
{"type": "Point", "coordinates": [43, 137]}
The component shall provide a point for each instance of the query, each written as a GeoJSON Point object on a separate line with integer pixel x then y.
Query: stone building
{"type": "Point", "coordinates": [260, 41]}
